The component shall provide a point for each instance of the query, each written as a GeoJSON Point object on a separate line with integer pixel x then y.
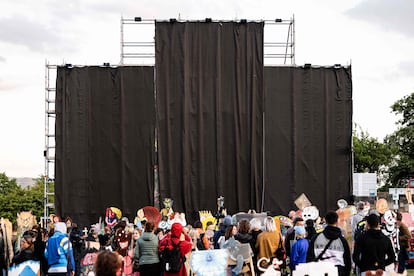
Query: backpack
{"type": "Point", "coordinates": [200, 244]}
{"type": "Point", "coordinates": [171, 258]}
{"type": "Point", "coordinates": [360, 229]}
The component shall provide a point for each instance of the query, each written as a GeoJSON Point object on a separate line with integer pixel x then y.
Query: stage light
{"type": "Point", "coordinates": [278, 20]}
{"type": "Point", "coordinates": [208, 20]}
{"type": "Point", "coordinates": [106, 64]}
{"type": "Point", "coordinates": [243, 21]}
{"type": "Point", "coordinates": [68, 65]}
{"type": "Point", "coordinates": [173, 20]}
{"type": "Point", "coordinates": [338, 65]}
{"type": "Point", "coordinates": [137, 19]}
{"type": "Point", "coordinates": [307, 66]}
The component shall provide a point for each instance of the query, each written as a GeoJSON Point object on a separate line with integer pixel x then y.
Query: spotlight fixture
{"type": "Point", "coordinates": [307, 66]}
{"type": "Point", "coordinates": [68, 65]}
{"type": "Point", "coordinates": [208, 20]}
{"type": "Point", "coordinates": [338, 65]}
{"type": "Point", "coordinates": [106, 64]}
{"type": "Point", "coordinates": [243, 21]}
{"type": "Point", "coordinates": [278, 20]}
{"type": "Point", "coordinates": [173, 20]}
{"type": "Point", "coordinates": [137, 19]}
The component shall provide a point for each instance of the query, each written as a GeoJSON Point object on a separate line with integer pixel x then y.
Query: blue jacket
{"type": "Point", "coordinates": [298, 253]}
{"type": "Point", "coordinates": [58, 251]}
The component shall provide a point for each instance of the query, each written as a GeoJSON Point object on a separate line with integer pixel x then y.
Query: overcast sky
{"type": "Point", "coordinates": [375, 36]}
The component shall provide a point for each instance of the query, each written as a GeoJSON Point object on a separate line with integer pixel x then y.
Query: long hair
{"type": "Point", "coordinates": [229, 232]}
{"type": "Point", "coordinates": [269, 224]}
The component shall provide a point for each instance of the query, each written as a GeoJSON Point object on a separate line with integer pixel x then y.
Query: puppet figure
{"type": "Point", "coordinates": [272, 268]}
{"type": "Point", "coordinates": [112, 216]}
{"type": "Point", "coordinates": [221, 211]}
{"type": "Point", "coordinates": [390, 230]}
{"type": "Point", "coordinates": [167, 210]}
{"type": "Point", "coordinates": [6, 239]}
{"type": "Point", "coordinates": [25, 221]}
{"type": "Point", "coordinates": [147, 213]}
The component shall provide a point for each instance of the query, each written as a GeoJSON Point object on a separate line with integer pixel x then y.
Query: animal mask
{"type": "Point", "coordinates": [310, 212]}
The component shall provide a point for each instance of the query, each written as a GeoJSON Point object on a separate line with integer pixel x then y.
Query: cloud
{"type": "Point", "coordinates": [2, 59]}
{"type": "Point", "coordinates": [26, 32]}
{"type": "Point", "coordinates": [393, 16]}
{"type": "Point", "coordinates": [407, 67]}
{"type": "Point", "coordinates": [6, 85]}
{"type": "Point", "coordinates": [33, 34]}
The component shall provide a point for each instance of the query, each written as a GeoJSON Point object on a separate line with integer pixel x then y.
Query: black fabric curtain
{"type": "Point", "coordinates": [105, 120]}
{"type": "Point", "coordinates": [308, 132]}
{"type": "Point", "coordinates": [209, 83]}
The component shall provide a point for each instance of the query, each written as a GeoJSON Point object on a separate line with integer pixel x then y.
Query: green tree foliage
{"type": "Point", "coordinates": [7, 185]}
{"type": "Point", "coordinates": [402, 142]}
{"type": "Point", "coordinates": [14, 199]}
{"type": "Point", "coordinates": [369, 154]}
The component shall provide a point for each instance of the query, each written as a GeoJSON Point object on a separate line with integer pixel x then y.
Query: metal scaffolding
{"type": "Point", "coordinates": [138, 45]}
{"type": "Point", "coordinates": [138, 48]}
{"type": "Point", "coordinates": [49, 151]}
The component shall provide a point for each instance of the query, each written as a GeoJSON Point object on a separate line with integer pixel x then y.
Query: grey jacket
{"type": "Point", "coordinates": [146, 250]}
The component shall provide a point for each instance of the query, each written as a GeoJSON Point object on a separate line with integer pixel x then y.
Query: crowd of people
{"type": "Point", "coordinates": [127, 249]}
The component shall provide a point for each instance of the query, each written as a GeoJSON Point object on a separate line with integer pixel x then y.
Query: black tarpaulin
{"type": "Point", "coordinates": [105, 120]}
{"type": "Point", "coordinates": [209, 83]}
{"type": "Point", "coordinates": [308, 132]}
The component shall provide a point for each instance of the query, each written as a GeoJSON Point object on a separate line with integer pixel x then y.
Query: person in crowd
{"type": "Point", "coordinates": [290, 234]}
{"type": "Point", "coordinates": [176, 237]}
{"type": "Point", "coordinates": [208, 236]}
{"type": "Point", "coordinates": [159, 232]}
{"type": "Point", "coordinates": [373, 250]}
{"type": "Point", "coordinates": [405, 237]}
{"type": "Point", "coordinates": [146, 252]}
{"type": "Point", "coordinates": [358, 217]}
{"type": "Point", "coordinates": [231, 232]}
{"type": "Point", "coordinates": [77, 240]}
{"type": "Point", "coordinates": [292, 215]}
{"type": "Point", "coordinates": [255, 230]}
{"type": "Point", "coordinates": [221, 231]}
{"type": "Point", "coordinates": [243, 232]}
{"type": "Point", "coordinates": [135, 236]}
{"type": "Point", "coordinates": [107, 264]}
{"type": "Point", "coordinates": [299, 248]}
{"type": "Point", "coordinates": [331, 246]}
{"type": "Point", "coordinates": [59, 252]}
{"type": "Point", "coordinates": [310, 229]}
{"type": "Point", "coordinates": [269, 240]}
{"type": "Point", "coordinates": [195, 240]}
{"type": "Point", "coordinates": [39, 244]}
{"type": "Point", "coordinates": [198, 234]}
{"type": "Point", "coordinates": [26, 251]}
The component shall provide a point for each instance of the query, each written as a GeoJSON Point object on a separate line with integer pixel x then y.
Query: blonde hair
{"type": "Point", "coordinates": [255, 224]}
{"type": "Point", "coordinates": [269, 224]}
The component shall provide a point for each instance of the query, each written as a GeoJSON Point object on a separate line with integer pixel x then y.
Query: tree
{"type": "Point", "coordinates": [7, 185]}
{"type": "Point", "coordinates": [369, 154]}
{"type": "Point", "coordinates": [14, 199]}
{"type": "Point", "coordinates": [401, 142]}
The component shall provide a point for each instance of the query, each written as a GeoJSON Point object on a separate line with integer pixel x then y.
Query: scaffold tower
{"type": "Point", "coordinates": [138, 45]}
{"type": "Point", "coordinates": [49, 151]}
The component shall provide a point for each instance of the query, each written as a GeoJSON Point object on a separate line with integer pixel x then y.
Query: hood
{"type": "Point", "coordinates": [60, 227]}
{"type": "Point", "coordinates": [375, 233]}
{"type": "Point", "coordinates": [176, 230]}
{"type": "Point", "coordinates": [332, 232]}
{"type": "Point", "coordinates": [148, 236]}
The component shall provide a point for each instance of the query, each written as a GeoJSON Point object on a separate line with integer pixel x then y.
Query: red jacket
{"type": "Point", "coordinates": [174, 237]}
